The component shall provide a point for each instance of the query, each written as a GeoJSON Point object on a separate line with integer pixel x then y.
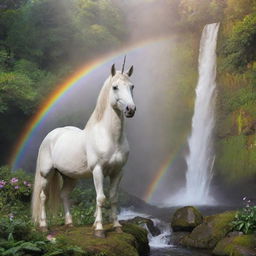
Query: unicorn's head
{"type": "Point", "coordinates": [121, 91]}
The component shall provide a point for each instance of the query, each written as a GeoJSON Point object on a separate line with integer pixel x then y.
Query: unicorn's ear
{"type": "Point", "coordinates": [113, 70]}
{"type": "Point", "coordinates": [130, 71]}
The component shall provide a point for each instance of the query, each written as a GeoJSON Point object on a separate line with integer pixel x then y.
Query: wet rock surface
{"type": "Point", "coordinates": [186, 219]}
{"type": "Point", "coordinates": [210, 232]}
{"type": "Point", "coordinates": [142, 222]}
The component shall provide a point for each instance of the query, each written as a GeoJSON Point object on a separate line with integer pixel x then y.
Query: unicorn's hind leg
{"type": "Point", "coordinates": [43, 197]}
{"type": "Point", "coordinates": [42, 218]}
{"type": "Point", "coordinates": [68, 186]}
{"type": "Point", "coordinates": [44, 174]}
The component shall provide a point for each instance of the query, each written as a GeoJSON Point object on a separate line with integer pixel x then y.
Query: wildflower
{"type": "Point", "coordinates": [51, 238]}
{"type": "Point", "coordinates": [11, 216]}
{"type": "Point", "coordinates": [25, 183]}
{"type": "Point", "coordinates": [14, 180]}
{"type": "Point", "coordinates": [16, 187]}
{"type": "Point", "coordinates": [2, 182]}
{"type": "Point", "coordinates": [29, 185]}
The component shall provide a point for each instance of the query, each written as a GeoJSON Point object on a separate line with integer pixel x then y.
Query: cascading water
{"type": "Point", "coordinates": [155, 241]}
{"type": "Point", "coordinates": [161, 244]}
{"type": "Point", "coordinates": [200, 159]}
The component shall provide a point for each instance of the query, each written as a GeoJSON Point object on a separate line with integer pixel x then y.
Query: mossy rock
{"type": "Point", "coordinates": [211, 231]}
{"type": "Point", "coordinates": [186, 219]}
{"type": "Point", "coordinates": [132, 242]}
{"type": "Point", "coordinates": [142, 222]}
{"type": "Point", "coordinates": [241, 245]}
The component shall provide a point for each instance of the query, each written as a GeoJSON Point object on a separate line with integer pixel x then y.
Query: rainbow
{"type": "Point", "coordinates": [27, 134]}
{"type": "Point", "coordinates": [163, 169]}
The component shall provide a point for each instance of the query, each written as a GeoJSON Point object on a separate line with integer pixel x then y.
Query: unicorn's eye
{"type": "Point", "coordinates": [115, 87]}
{"type": "Point", "coordinates": [132, 87]}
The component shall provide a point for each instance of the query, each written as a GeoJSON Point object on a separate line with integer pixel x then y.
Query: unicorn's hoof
{"type": "Point", "coordinates": [70, 225]}
{"type": "Point", "coordinates": [99, 233]}
{"type": "Point", "coordinates": [43, 229]}
{"type": "Point", "coordinates": [118, 230]}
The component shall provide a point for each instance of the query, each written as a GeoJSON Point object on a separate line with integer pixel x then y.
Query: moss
{"type": "Point", "coordinates": [133, 242]}
{"type": "Point", "coordinates": [212, 230]}
{"type": "Point", "coordinates": [236, 157]}
{"type": "Point", "coordinates": [140, 234]}
{"type": "Point", "coordinates": [186, 218]}
{"type": "Point", "coordinates": [230, 245]}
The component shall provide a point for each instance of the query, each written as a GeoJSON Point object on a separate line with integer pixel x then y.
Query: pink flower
{"type": "Point", "coordinates": [16, 187]}
{"type": "Point", "coordinates": [29, 185]}
{"type": "Point", "coordinates": [2, 183]}
{"type": "Point", "coordinates": [25, 183]}
{"type": "Point", "coordinates": [51, 238]}
{"type": "Point", "coordinates": [14, 180]}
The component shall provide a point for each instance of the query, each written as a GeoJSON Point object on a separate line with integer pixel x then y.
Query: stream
{"type": "Point", "coordinates": [162, 245]}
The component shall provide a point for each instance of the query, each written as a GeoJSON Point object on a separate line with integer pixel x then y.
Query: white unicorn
{"type": "Point", "coordinates": [100, 150]}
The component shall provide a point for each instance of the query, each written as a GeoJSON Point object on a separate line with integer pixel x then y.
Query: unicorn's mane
{"type": "Point", "coordinates": [101, 104]}
{"type": "Point", "coordinates": [102, 100]}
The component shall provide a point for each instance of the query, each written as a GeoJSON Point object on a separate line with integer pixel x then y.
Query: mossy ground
{"type": "Point", "coordinates": [231, 245]}
{"type": "Point", "coordinates": [132, 242]}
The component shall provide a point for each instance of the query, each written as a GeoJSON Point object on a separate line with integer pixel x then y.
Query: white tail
{"type": "Point", "coordinates": [52, 193]}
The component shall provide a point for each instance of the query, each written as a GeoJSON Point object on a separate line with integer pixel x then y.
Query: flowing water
{"type": "Point", "coordinates": [200, 159]}
{"type": "Point", "coordinates": [161, 245]}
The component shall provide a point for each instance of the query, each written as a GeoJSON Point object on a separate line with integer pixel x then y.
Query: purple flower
{"type": "Point", "coordinates": [2, 182]}
{"type": "Point", "coordinates": [11, 216]}
{"type": "Point", "coordinates": [16, 187]}
{"type": "Point", "coordinates": [29, 185]}
{"type": "Point", "coordinates": [25, 183]}
{"type": "Point", "coordinates": [14, 180]}
{"type": "Point", "coordinates": [1, 186]}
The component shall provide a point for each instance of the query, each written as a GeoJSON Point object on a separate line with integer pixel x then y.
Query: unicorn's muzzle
{"type": "Point", "coordinates": [130, 110]}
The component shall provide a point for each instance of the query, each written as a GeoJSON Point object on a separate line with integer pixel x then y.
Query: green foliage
{"type": "Point", "coordinates": [83, 216]}
{"type": "Point", "coordinates": [239, 98]}
{"type": "Point", "coordinates": [15, 191]}
{"type": "Point", "coordinates": [245, 220]}
{"type": "Point", "coordinates": [18, 237]}
{"type": "Point", "coordinates": [235, 158]}
{"type": "Point", "coordinates": [239, 48]}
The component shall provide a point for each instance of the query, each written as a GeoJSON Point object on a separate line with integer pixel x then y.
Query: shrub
{"type": "Point", "coordinates": [15, 191]}
{"type": "Point", "coordinates": [245, 219]}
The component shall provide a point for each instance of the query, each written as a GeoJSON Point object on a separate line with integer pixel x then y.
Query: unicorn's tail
{"type": "Point", "coordinates": [52, 189]}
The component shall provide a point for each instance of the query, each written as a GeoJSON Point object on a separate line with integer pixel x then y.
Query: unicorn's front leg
{"type": "Point", "coordinates": [113, 195]}
{"type": "Point", "coordinates": [100, 199]}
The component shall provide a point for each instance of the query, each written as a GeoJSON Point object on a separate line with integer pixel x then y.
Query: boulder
{"type": "Point", "coordinates": [210, 232]}
{"type": "Point", "coordinates": [186, 219]}
{"type": "Point", "coordinates": [145, 222]}
{"type": "Point", "coordinates": [240, 245]}
{"type": "Point", "coordinates": [132, 242]}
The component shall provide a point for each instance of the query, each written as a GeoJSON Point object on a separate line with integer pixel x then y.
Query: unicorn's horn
{"type": "Point", "coordinates": [123, 64]}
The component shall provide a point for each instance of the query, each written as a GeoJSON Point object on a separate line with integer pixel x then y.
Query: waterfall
{"type": "Point", "coordinates": [200, 159]}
